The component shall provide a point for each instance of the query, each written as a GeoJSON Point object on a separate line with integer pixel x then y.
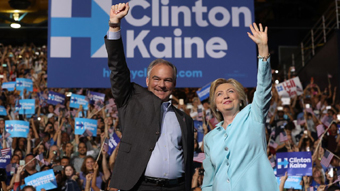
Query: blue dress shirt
{"type": "Point", "coordinates": [236, 158]}
{"type": "Point", "coordinates": [167, 159]}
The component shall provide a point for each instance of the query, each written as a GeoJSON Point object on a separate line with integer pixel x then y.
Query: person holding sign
{"type": "Point", "coordinates": [235, 151]}
{"type": "Point", "coordinates": [156, 149]}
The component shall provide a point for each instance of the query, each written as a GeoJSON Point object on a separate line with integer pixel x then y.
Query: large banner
{"type": "Point", "coordinates": [205, 39]}
{"type": "Point", "coordinates": [17, 128]}
{"type": "Point", "coordinates": [290, 88]}
{"type": "Point", "coordinates": [295, 163]}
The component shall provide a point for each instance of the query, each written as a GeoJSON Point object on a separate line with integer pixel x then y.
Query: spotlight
{"type": "Point", "coordinates": [15, 25]}
{"type": "Point", "coordinates": [276, 71]}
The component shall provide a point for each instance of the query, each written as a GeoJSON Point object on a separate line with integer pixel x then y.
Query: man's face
{"type": "Point", "coordinates": [161, 81]}
{"type": "Point", "coordinates": [82, 149]}
{"type": "Point", "coordinates": [30, 165]}
{"type": "Point", "coordinates": [64, 162]}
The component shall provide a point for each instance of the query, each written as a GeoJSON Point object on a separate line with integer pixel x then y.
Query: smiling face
{"type": "Point", "coordinates": [161, 81]}
{"type": "Point", "coordinates": [89, 164]}
{"type": "Point", "coordinates": [69, 171]}
{"type": "Point", "coordinates": [227, 98]}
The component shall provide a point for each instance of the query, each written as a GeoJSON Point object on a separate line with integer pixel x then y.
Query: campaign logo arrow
{"type": "Point", "coordinates": [81, 125]}
{"type": "Point", "coordinates": [74, 100]}
{"type": "Point", "coordinates": [94, 27]}
{"type": "Point", "coordinates": [284, 162]}
{"type": "Point", "coordinates": [19, 83]}
{"type": "Point", "coordinates": [18, 106]}
{"type": "Point", "coordinates": [10, 127]}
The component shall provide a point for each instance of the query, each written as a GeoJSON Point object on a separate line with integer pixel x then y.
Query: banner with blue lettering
{"type": "Point", "coordinates": [25, 106]}
{"type": "Point", "coordinates": [17, 128]}
{"type": "Point", "coordinates": [295, 163]}
{"type": "Point", "coordinates": [23, 83]}
{"type": "Point", "coordinates": [113, 142]}
{"type": "Point", "coordinates": [45, 179]}
{"type": "Point", "coordinates": [3, 111]}
{"type": "Point", "coordinates": [77, 100]}
{"type": "Point", "coordinates": [95, 96]}
{"type": "Point", "coordinates": [291, 182]}
{"type": "Point", "coordinates": [204, 92]}
{"type": "Point", "coordinates": [55, 98]}
{"type": "Point", "coordinates": [8, 85]}
{"type": "Point", "coordinates": [5, 157]}
{"type": "Point", "coordinates": [83, 123]}
{"type": "Point", "coordinates": [205, 40]}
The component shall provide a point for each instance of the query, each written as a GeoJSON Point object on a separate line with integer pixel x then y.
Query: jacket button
{"type": "Point", "coordinates": [157, 133]}
{"type": "Point", "coordinates": [151, 149]}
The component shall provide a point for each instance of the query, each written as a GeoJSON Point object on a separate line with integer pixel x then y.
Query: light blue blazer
{"type": "Point", "coordinates": [236, 158]}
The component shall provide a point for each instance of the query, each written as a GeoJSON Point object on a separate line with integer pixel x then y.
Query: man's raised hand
{"type": "Point", "coordinates": [118, 11]}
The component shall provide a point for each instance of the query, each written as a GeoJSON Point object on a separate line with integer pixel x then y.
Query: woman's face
{"type": "Point", "coordinates": [22, 142]}
{"type": "Point", "coordinates": [89, 164]}
{"type": "Point", "coordinates": [227, 99]}
{"type": "Point", "coordinates": [19, 154]}
{"type": "Point", "coordinates": [41, 149]}
{"type": "Point", "coordinates": [69, 147]}
{"type": "Point", "coordinates": [50, 109]}
{"type": "Point", "coordinates": [68, 171]}
{"type": "Point", "coordinates": [56, 125]}
{"type": "Point", "coordinates": [333, 129]}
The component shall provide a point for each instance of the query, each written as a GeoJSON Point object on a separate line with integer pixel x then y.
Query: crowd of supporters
{"type": "Point", "coordinates": [308, 122]}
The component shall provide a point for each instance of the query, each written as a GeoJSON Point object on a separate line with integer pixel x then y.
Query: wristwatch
{"type": "Point", "coordinates": [114, 25]}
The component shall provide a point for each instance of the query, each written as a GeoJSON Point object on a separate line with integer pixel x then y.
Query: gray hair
{"type": "Point", "coordinates": [162, 61]}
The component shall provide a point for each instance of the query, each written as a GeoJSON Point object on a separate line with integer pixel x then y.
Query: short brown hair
{"type": "Point", "coordinates": [239, 89]}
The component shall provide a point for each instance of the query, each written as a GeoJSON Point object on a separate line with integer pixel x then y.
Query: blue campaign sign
{"type": "Point", "coordinates": [291, 182]}
{"type": "Point", "coordinates": [26, 106]}
{"type": "Point", "coordinates": [82, 124]}
{"type": "Point", "coordinates": [77, 100]}
{"type": "Point", "coordinates": [3, 111]}
{"type": "Point", "coordinates": [204, 92]}
{"type": "Point", "coordinates": [23, 83]}
{"type": "Point", "coordinates": [205, 39]}
{"type": "Point", "coordinates": [295, 163]}
{"type": "Point", "coordinates": [8, 85]}
{"type": "Point", "coordinates": [45, 179]}
{"type": "Point", "coordinates": [17, 128]}
{"type": "Point", "coordinates": [5, 158]}
{"type": "Point", "coordinates": [95, 96]}
{"type": "Point", "coordinates": [55, 98]}
{"type": "Point", "coordinates": [113, 142]}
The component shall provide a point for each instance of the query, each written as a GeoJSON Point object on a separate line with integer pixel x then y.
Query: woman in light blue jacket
{"type": "Point", "coordinates": [235, 150]}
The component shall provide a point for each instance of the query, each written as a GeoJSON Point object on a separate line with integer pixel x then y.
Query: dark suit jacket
{"type": "Point", "coordinates": [139, 112]}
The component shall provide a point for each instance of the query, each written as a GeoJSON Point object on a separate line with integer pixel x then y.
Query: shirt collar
{"type": "Point", "coordinates": [166, 104]}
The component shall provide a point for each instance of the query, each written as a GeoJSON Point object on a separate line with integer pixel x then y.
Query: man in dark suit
{"type": "Point", "coordinates": [156, 150]}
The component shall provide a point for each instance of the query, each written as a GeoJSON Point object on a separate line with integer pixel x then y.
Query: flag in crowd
{"type": "Point", "coordinates": [320, 129]}
{"type": "Point", "coordinates": [272, 143]}
{"type": "Point", "coordinates": [283, 136]}
{"type": "Point", "coordinates": [4, 152]}
{"type": "Point", "coordinates": [326, 158]}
